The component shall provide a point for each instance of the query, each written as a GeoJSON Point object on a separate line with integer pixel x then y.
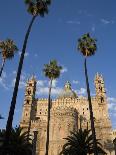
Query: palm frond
{"type": "Point", "coordinates": [87, 45]}
{"type": "Point", "coordinates": [52, 70]}
{"type": "Point", "coordinates": [8, 48]}
{"type": "Point", "coordinates": [37, 7]}
{"type": "Point", "coordinates": [80, 143]}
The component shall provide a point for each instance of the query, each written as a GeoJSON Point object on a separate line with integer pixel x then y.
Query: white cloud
{"type": "Point", "coordinates": [26, 54]}
{"type": "Point", "coordinates": [43, 88]}
{"type": "Point", "coordinates": [73, 22]}
{"type": "Point", "coordinates": [112, 104]}
{"type": "Point", "coordinates": [82, 91]}
{"type": "Point", "coordinates": [14, 72]}
{"type": "Point", "coordinates": [56, 91]}
{"type": "Point", "coordinates": [22, 82]}
{"type": "Point", "coordinates": [75, 82]}
{"type": "Point", "coordinates": [35, 55]}
{"type": "Point", "coordinates": [64, 69]}
{"type": "Point", "coordinates": [3, 80]}
{"type": "Point", "coordinates": [4, 75]}
{"type": "Point", "coordinates": [111, 99]}
{"type": "Point", "coordinates": [2, 83]}
{"type": "Point", "coordinates": [93, 28]}
{"type": "Point", "coordinates": [54, 82]}
{"type": "Point", "coordinates": [105, 21]}
{"type": "Point", "coordinates": [44, 91]}
{"type": "Point", "coordinates": [41, 83]}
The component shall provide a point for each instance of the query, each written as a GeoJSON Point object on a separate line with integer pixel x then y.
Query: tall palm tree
{"type": "Point", "coordinates": [8, 49]}
{"type": "Point", "coordinates": [108, 145]}
{"type": "Point", "coordinates": [35, 8]}
{"type": "Point", "coordinates": [18, 143]}
{"type": "Point", "coordinates": [80, 143]}
{"type": "Point", "coordinates": [52, 71]}
{"type": "Point", "coordinates": [114, 142]}
{"type": "Point", "coordinates": [87, 46]}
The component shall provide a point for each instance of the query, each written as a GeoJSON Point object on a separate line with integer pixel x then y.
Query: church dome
{"type": "Point", "coordinates": [67, 92]}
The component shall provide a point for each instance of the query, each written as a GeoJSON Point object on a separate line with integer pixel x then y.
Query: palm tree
{"type": "Point", "coordinates": [18, 143]}
{"type": "Point", "coordinates": [114, 142]}
{"type": "Point", "coordinates": [80, 143]}
{"type": "Point", "coordinates": [87, 47]}
{"type": "Point", "coordinates": [109, 146]}
{"type": "Point", "coordinates": [8, 49]}
{"type": "Point", "coordinates": [52, 71]}
{"type": "Point", "coordinates": [35, 8]}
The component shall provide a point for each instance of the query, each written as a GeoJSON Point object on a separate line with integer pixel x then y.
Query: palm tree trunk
{"type": "Point", "coordinates": [48, 122]}
{"type": "Point", "coordinates": [90, 108]}
{"type": "Point", "coordinates": [87, 125]}
{"type": "Point", "coordinates": [115, 149]}
{"type": "Point", "coordinates": [80, 123]}
{"type": "Point", "coordinates": [34, 142]}
{"type": "Point", "coordinates": [1, 70]}
{"type": "Point", "coordinates": [14, 97]}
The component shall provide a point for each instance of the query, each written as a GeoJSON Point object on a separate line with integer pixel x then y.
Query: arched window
{"type": "Point", "coordinates": [30, 84]}
{"type": "Point", "coordinates": [100, 88]}
{"type": "Point", "coordinates": [29, 91]}
{"type": "Point", "coordinates": [27, 101]}
{"type": "Point", "coordinates": [102, 99]}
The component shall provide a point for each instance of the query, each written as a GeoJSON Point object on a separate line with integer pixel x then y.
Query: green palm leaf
{"type": "Point", "coordinates": [87, 45]}
{"type": "Point", "coordinates": [80, 143]}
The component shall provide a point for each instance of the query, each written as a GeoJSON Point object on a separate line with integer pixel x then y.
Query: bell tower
{"type": "Point", "coordinates": [100, 88]}
{"type": "Point", "coordinates": [28, 103]}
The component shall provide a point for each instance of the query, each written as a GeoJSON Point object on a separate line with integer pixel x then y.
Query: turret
{"type": "Point", "coordinates": [100, 88]}
{"type": "Point", "coordinates": [28, 101]}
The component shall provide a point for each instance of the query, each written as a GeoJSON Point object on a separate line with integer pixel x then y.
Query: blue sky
{"type": "Point", "coordinates": [55, 37]}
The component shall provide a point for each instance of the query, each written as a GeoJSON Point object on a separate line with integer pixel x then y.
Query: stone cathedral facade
{"type": "Point", "coordinates": [68, 111]}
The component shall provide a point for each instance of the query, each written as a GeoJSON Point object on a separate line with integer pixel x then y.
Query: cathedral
{"type": "Point", "coordinates": [68, 112]}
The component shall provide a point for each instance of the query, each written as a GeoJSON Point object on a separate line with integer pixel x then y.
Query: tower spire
{"type": "Point", "coordinates": [100, 88]}
{"type": "Point", "coordinates": [28, 102]}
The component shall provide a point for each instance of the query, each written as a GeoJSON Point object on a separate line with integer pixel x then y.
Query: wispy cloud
{"type": "Point", "coordinates": [93, 28]}
{"type": "Point", "coordinates": [105, 21]}
{"type": "Point", "coordinates": [85, 12]}
{"type": "Point", "coordinates": [54, 83]}
{"type": "Point", "coordinates": [112, 103]}
{"type": "Point", "coordinates": [112, 106]}
{"type": "Point", "coordinates": [73, 22]}
{"type": "Point", "coordinates": [22, 82]}
{"type": "Point", "coordinates": [44, 91]}
{"type": "Point", "coordinates": [3, 80]}
{"type": "Point", "coordinates": [82, 91]}
{"type": "Point", "coordinates": [64, 70]}
{"type": "Point", "coordinates": [10, 82]}
{"type": "Point", "coordinates": [43, 88]}
{"type": "Point", "coordinates": [26, 54]}
{"type": "Point", "coordinates": [41, 83]}
{"type": "Point", "coordinates": [36, 55]}
{"type": "Point", "coordinates": [111, 99]}
{"type": "Point", "coordinates": [75, 82]}
{"type": "Point", "coordinates": [14, 72]}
